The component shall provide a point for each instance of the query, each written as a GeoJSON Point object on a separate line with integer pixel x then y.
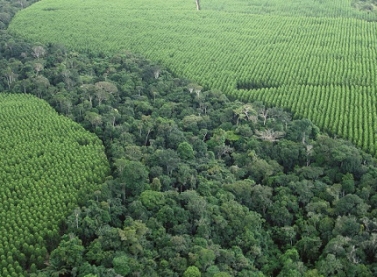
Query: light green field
{"type": "Point", "coordinates": [317, 58]}
{"type": "Point", "coordinates": [46, 161]}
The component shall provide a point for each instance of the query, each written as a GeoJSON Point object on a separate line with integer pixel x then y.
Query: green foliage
{"type": "Point", "coordinates": [185, 151]}
{"type": "Point", "coordinates": [365, 5]}
{"type": "Point", "coordinates": [192, 271]}
{"type": "Point", "coordinates": [221, 274]}
{"type": "Point", "coordinates": [9, 8]}
{"type": "Point", "coordinates": [332, 82]}
{"type": "Point", "coordinates": [134, 174]}
{"type": "Point", "coordinates": [120, 264]}
{"type": "Point", "coordinates": [152, 199]}
{"type": "Point", "coordinates": [260, 196]}
{"type": "Point", "coordinates": [45, 170]}
{"type": "Point", "coordinates": [68, 255]}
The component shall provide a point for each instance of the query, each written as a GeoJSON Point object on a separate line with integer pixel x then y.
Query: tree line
{"type": "Point", "coordinates": [200, 185]}
{"type": "Point", "coordinates": [48, 163]}
{"type": "Point", "coordinates": [285, 50]}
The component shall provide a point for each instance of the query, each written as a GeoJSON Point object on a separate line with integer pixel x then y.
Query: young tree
{"type": "Point", "coordinates": [192, 271]}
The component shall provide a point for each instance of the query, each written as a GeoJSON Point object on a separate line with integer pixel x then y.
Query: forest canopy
{"type": "Point", "coordinates": [200, 184]}
{"type": "Point", "coordinates": [311, 57]}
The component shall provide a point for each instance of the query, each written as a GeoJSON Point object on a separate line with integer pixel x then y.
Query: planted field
{"type": "Point", "coordinates": [316, 58]}
{"type": "Point", "coordinates": [46, 162]}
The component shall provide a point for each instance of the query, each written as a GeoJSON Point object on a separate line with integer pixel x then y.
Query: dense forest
{"type": "Point", "coordinates": [311, 57]}
{"type": "Point", "coordinates": [201, 185]}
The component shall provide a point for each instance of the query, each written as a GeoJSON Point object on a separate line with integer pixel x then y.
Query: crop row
{"type": "Point", "coordinates": [307, 8]}
{"type": "Point", "coordinates": [236, 50]}
{"type": "Point", "coordinates": [330, 107]}
{"type": "Point", "coordinates": [46, 162]}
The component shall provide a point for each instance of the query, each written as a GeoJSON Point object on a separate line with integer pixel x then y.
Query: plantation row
{"type": "Point", "coordinates": [330, 107]}
{"type": "Point", "coordinates": [46, 163]}
{"type": "Point", "coordinates": [233, 50]}
{"type": "Point", "coordinates": [335, 8]}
